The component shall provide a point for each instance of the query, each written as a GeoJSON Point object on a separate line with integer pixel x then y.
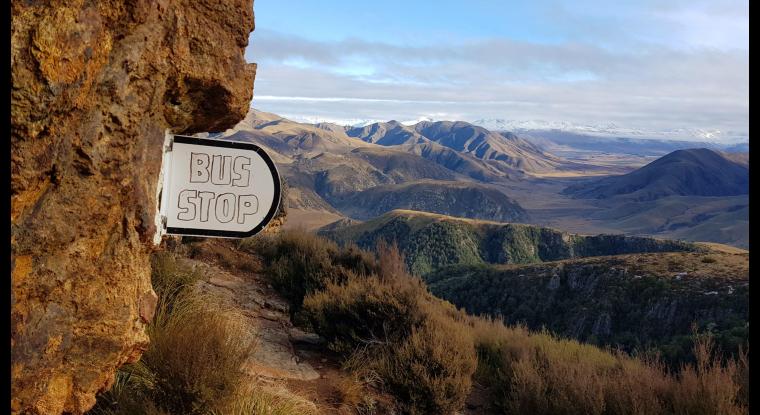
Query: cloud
{"type": "Point", "coordinates": [641, 86]}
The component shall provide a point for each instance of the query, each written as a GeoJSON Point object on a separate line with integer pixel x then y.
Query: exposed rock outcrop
{"type": "Point", "coordinates": [95, 86]}
{"type": "Point", "coordinates": [629, 301]}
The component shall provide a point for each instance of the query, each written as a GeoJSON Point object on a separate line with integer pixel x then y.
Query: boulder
{"type": "Point", "coordinates": [95, 86]}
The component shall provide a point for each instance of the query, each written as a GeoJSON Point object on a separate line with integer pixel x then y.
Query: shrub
{"type": "Point", "coordinates": [430, 370]}
{"type": "Point", "coordinates": [410, 339]}
{"type": "Point", "coordinates": [387, 325]}
{"type": "Point", "coordinates": [538, 373]}
{"type": "Point", "coordinates": [299, 263]}
{"type": "Point", "coordinates": [357, 260]}
{"type": "Point", "coordinates": [391, 264]}
{"type": "Point", "coordinates": [709, 386]}
{"type": "Point", "coordinates": [364, 311]}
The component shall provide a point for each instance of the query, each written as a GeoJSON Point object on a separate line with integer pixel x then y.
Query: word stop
{"type": "Point", "coordinates": [217, 171]}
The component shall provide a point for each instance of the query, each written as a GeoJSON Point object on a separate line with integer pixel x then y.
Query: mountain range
{"type": "Point", "coordinates": [460, 169]}
{"type": "Point", "coordinates": [691, 137]}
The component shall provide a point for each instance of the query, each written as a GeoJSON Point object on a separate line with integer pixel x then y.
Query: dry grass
{"type": "Point", "coordinates": [425, 351]}
{"type": "Point", "coordinates": [192, 372]}
{"type": "Point", "coordinates": [540, 374]}
{"type": "Point", "coordinates": [353, 395]}
{"type": "Point", "coordinates": [309, 219]}
{"type": "Point", "coordinates": [224, 254]}
{"type": "Point", "coordinates": [699, 264]}
{"type": "Point", "coordinates": [193, 365]}
{"type": "Point", "coordinates": [266, 400]}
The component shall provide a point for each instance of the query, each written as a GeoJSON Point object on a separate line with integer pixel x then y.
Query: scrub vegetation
{"type": "Point", "coordinates": [385, 324]}
{"type": "Point", "coordinates": [198, 345]}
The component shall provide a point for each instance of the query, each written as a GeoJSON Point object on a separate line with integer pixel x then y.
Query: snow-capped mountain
{"type": "Point", "coordinates": [533, 127]}
{"type": "Point", "coordinates": [611, 130]}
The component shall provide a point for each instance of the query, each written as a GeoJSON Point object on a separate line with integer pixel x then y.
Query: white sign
{"type": "Point", "coordinates": [217, 188]}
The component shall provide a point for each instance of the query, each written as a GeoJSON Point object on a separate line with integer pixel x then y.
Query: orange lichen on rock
{"type": "Point", "coordinates": [94, 88]}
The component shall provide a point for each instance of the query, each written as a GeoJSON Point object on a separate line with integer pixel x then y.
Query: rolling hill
{"type": "Point", "coordinates": [693, 172]}
{"type": "Point", "coordinates": [449, 198]}
{"type": "Point", "coordinates": [487, 145]}
{"type": "Point", "coordinates": [430, 241]}
{"type": "Point", "coordinates": [391, 133]}
{"type": "Point", "coordinates": [331, 173]}
{"type": "Point", "coordinates": [694, 218]}
{"type": "Point", "coordinates": [337, 172]}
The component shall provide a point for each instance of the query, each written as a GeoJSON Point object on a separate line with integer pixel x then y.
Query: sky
{"type": "Point", "coordinates": [676, 68]}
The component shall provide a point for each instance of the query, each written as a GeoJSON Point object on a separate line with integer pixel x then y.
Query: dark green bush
{"type": "Point", "coordinates": [364, 311]}
{"type": "Point", "coordinates": [300, 263]}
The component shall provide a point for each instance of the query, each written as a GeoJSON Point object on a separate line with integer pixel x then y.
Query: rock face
{"type": "Point", "coordinates": [95, 86]}
{"type": "Point", "coordinates": [628, 301]}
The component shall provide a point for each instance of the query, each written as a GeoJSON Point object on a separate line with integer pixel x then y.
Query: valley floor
{"type": "Point", "coordinates": [722, 220]}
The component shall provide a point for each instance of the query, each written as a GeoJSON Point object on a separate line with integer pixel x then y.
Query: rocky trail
{"type": "Point", "coordinates": [292, 362]}
{"type": "Point", "coordinates": [286, 359]}
{"type": "Point", "coordinates": [275, 355]}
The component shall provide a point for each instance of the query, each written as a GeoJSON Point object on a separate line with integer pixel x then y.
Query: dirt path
{"type": "Point", "coordinates": [285, 357]}
{"type": "Point", "coordinates": [275, 356]}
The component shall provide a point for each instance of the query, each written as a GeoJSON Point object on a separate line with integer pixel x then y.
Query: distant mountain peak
{"type": "Point", "coordinates": [687, 172]}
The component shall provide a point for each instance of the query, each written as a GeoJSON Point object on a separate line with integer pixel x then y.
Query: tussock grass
{"type": "Point", "coordinates": [196, 354]}
{"type": "Point", "coordinates": [426, 352]}
{"type": "Point", "coordinates": [194, 362]}
{"type": "Point", "coordinates": [538, 373]}
{"type": "Point", "coordinates": [266, 400]}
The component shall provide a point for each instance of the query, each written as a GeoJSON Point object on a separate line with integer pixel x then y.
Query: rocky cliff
{"type": "Point", "coordinates": [635, 301]}
{"type": "Point", "coordinates": [94, 88]}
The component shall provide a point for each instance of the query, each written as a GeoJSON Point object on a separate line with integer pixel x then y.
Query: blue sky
{"type": "Point", "coordinates": [663, 67]}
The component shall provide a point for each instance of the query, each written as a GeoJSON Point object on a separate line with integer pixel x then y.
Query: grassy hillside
{"type": "Point", "coordinates": [692, 172]}
{"type": "Point", "coordinates": [430, 241]}
{"type": "Point", "coordinates": [722, 219]}
{"type": "Point", "coordinates": [446, 197]}
{"type": "Point", "coordinates": [391, 346]}
{"type": "Point", "coordinates": [630, 301]}
{"type": "Point", "coordinates": [386, 325]}
{"type": "Point", "coordinates": [505, 153]}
